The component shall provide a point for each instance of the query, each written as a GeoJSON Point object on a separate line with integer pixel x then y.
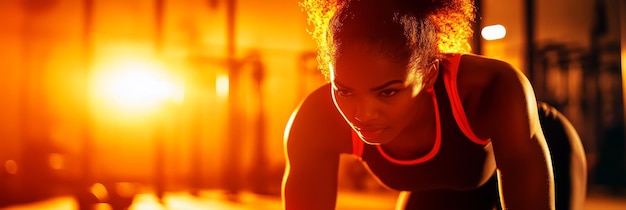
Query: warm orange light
{"type": "Point", "coordinates": [145, 202]}
{"type": "Point", "coordinates": [56, 161]}
{"type": "Point", "coordinates": [100, 191]}
{"type": "Point", "coordinates": [136, 86]}
{"type": "Point", "coordinates": [10, 166]}
{"type": "Point", "coordinates": [125, 189]}
{"type": "Point", "coordinates": [493, 32]}
{"type": "Point", "coordinates": [221, 85]}
{"type": "Point", "coordinates": [102, 206]}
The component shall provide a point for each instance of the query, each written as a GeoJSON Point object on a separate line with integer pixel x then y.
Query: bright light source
{"type": "Point", "coordinates": [493, 32]}
{"type": "Point", "coordinates": [221, 85]}
{"type": "Point", "coordinates": [146, 202]}
{"type": "Point", "coordinates": [136, 85]}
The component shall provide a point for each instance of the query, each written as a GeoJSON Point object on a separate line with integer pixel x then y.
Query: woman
{"type": "Point", "coordinates": [448, 129]}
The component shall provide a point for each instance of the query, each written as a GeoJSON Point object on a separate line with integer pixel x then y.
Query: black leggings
{"type": "Point", "coordinates": [568, 158]}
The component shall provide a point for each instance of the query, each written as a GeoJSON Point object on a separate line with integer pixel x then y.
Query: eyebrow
{"type": "Point", "coordinates": [377, 88]}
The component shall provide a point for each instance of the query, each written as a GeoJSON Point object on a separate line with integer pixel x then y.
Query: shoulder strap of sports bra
{"type": "Point", "coordinates": [450, 80]}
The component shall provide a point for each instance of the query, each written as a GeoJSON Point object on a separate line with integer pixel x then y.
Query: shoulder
{"type": "Point", "coordinates": [491, 74]}
{"type": "Point", "coordinates": [316, 125]}
{"type": "Point", "coordinates": [481, 64]}
{"type": "Point", "coordinates": [509, 99]}
{"type": "Point", "coordinates": [476, 73]}
{"type": "Point", "coordinates": [495, 91]}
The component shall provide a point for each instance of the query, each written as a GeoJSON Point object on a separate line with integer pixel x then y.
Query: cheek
{"type": "Point", "coordinates": [344, 106]}
{"type": "Point", "coordinates": [401, 111]}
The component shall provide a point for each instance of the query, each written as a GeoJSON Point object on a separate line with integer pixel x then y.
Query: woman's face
{"type": "Point", "coordinates": [375, 95]}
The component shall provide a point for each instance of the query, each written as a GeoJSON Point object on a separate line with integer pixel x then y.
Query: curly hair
{"type": "Point", "coordinates": [413, 31]}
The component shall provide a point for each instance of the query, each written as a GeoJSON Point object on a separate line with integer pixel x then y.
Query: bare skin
{"type": "Point", "coordinates": [499, 104]}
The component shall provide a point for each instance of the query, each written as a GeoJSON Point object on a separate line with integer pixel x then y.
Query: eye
{"type": "Point", "coordinates": [388, 93]}
{"type": "Point", "coordinates": [343, 93]}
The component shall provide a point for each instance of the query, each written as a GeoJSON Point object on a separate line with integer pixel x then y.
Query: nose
{"type": "Point", "coordinates": [366, 112]}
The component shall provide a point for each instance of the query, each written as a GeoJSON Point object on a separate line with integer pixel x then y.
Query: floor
{"type": "Point", "coordinates": [249, 201]}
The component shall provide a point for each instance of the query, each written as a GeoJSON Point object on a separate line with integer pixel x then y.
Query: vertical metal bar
{"type": "Point", "coordinates": [159, 15]}
{"type": "Point", "coordinates": [530, 38]}
{"type": "Point", "coordinates": [24, 99]}
{"type": "Point", "coordinates": [83, 196]}
{"type": "Point", "coordinates": [622, 23]}
{"type": "Point", "coordinates": [159, 164]}
{"type": "Point", "coordinates": [231, 171]}
{"type": "Point", "coordinates": [87, 43]}
{"type": "Point", "coordinates": [259, 167]}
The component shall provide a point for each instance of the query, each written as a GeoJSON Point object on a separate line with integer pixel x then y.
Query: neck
{"type": "Point", "coordinates": [419, 136]}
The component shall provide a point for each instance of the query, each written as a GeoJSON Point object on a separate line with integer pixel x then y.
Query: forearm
{"type": "Point", "coordinates": [299, 197]}
{"type": "Point", "coordinates": [310, 184]}
{"type": "Point", "coordinates": [527, 187]}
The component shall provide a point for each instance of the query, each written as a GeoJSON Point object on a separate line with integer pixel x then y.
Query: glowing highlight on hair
{"type": "Point", "coordinates": [450, 18]}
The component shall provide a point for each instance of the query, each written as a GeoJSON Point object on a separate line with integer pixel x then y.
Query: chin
{"type": "Point", "coordinates": [375, 141]}
{"type": "Point", "coordinates": [384, 138]}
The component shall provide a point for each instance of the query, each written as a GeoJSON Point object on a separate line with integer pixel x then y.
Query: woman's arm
{"type": "Point", "coordinates": [314, 138]}
{"type": "Point", "coordinates": [522, 156]}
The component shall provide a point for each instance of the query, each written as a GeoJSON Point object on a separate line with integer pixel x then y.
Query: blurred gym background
{"type": "Point", "coordinates": [163, 104]}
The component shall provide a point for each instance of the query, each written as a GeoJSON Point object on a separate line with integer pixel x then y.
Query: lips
{"type": "Point", "coordinates": [369, 133]}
